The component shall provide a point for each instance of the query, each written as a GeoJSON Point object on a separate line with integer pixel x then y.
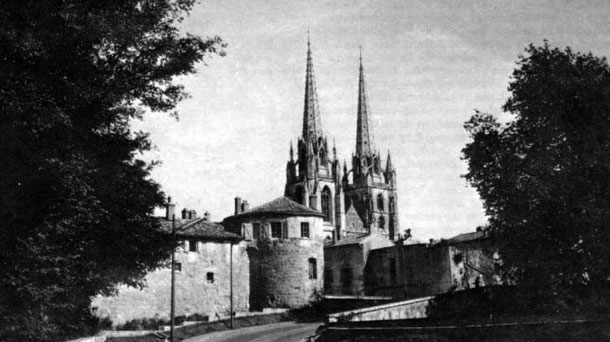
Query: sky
{"type": "Point", "coordinates": [428, 65]}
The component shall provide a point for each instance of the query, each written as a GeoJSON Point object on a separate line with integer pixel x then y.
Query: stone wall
{"type": "Point", "coordinates": [196, 292]}
{"type": "Point", "coordinates": [339, 258]}
{"type": "Point", "coordinates": [422, 270]}
{"type": "Point", "coordinates": [410, 309]}
{"type": "Point", "coordinates": [337, 261]}
{"type": "Point", "coordinates": [280, 275]}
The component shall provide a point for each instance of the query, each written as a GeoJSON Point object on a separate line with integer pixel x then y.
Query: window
{"type": "Point", "coordinates": [392, 204]}
{"type": "Point", "coordinates": [381, 222]}
{"type": "Point", "coordinates": [256, 231]}
{"type": "Point", "coordinates": [328, 278]}
{"type": "Point", "coordinates": [326, 204]}
{"type": "Point", "coordinates": [346, 278]}
{"type": "Point", "coordinates": [313, 271]}
{"type": "Point", "coordinates": [210, 277]}
{"type": "Point", "coordinates": [177, 267]}
{"type": "Point", "coordinates": [305, 229]}
{"type": "Point", "coordinates": [192, 245]}
{"type": "Point", "coordinates": [276, 229]}
{"type": "Point", "coordinates": [393, 270]}
{"type": "Point", "coordinates": [380, 203]}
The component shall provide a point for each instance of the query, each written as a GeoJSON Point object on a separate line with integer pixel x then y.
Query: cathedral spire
{"type": "Point", "coordinates": [363, 135]}
{"type": "Point", "coordinates": [389, 167]}
{"type": "Point", "coordinates": [291, 152]}
{"type": "Point", "coordinates": [312, 125]}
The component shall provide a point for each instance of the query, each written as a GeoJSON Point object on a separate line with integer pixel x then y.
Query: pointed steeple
{"type": "Point", "coordinates": [312, 125]}
{"type": "Point", "coordinates": [334, 150]}
{"type": "Point", "coordinates": [291, 152]}
{"type": "Point", "coordinates": [363, 131]}
{"type": "Point", "coordinates": [389, 167]}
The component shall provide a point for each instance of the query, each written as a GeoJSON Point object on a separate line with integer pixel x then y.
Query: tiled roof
{"type": "Point", "coordinates": [282, 205]}
{"type": "Point", "coordinates": [200, 228]}
{"type": "Point", "coordinates": [467, 237]}
{"type": "Point", "coordinates": [351, 240]}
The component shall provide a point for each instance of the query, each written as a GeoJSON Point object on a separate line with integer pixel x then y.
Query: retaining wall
{"type": "Point", "coordinates": [414, 308]}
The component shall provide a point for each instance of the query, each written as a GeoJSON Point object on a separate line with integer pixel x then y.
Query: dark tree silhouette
{"type": "Point", "coordinates": [544, 177]}
{"type": "Point", "coordinates": [76, 214]}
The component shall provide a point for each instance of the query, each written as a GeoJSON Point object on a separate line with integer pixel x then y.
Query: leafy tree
{"type": "Point", "coordinates": [544, 176]}
{"type": "Point", "coordinates": [76, 215]}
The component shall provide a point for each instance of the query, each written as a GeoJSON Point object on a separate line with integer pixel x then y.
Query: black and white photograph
{"type": "Point", "coordinates": [304, 170]}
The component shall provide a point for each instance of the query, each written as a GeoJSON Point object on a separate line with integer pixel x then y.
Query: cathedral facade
{"type": "Point", "coordinates": [356, 201]}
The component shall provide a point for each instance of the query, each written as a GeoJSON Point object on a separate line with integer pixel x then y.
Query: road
{"type": "Point", "coordinates": [279, 332]}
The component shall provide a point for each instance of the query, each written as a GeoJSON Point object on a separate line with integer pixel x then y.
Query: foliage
{"type": "Point", "coordinates": [544, 176]}
{"type": "Point", "coordinates": [76, 215]}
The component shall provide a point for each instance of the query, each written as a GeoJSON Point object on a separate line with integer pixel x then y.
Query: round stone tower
{"type": "Point", "coordinates": [286, 252]}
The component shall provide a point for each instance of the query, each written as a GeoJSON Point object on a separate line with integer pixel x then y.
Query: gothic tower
{"type": "Point", "coordinates": [314, 178]}
{"type": "Point", "coordinates": [372, 191]}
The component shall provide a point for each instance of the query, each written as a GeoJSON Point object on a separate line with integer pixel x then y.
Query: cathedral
{"type": "Point", "coordinates": [334, 232]}
{"type": "Point", "coordinates": [355, 201]}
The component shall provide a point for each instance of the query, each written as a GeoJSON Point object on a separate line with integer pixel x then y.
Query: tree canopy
{"type": "Point", "coordinates": [544, 176]}
{"type": "Point", "coordinates": [77, 202]}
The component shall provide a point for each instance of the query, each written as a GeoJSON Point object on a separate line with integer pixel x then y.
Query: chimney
{"type": "Point", "coordinates": [206, 216]}
{"type": "Point", "coordinates": [170, 209]}
{"type": "Point", "coordinates": [237, 205]}
{"type": "Point", "coordinates": [245, 206]}
{"type": "Point", "coordinates": [185, 214]}
{"type": "Point", "coordinates": [193, 214]}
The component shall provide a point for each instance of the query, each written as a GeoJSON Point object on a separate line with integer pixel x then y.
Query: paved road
{"type": "Point", "coordinates": [279, 332]}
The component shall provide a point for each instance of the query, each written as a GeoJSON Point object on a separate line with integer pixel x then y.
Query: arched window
{"type": "Point", "coordinates": [381, 222]}
{"type": "Point", "coordinates": [326, 204]}
{"type": "Point", "coordinates": [322, 156]}
{"type": "Point", "coordinates": [392, 205]}
{"type": "Point", "coordinates": [298, 195]}
{"type": "Point", "coordinates": [380, 202]}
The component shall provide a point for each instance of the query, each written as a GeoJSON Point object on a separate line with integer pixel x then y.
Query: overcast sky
{"type": "Point", "coordinates": [428, 65]}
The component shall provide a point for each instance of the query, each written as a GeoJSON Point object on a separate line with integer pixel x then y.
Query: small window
{"type": "Point", "coordinates": [326, 204]}
{"type": "Point", "coordinates": [192, 245]}
{"type": "Point", "coordinates": [256, 231]}
{"type": "Point", "coordinates": [177, 267]}
{"type": "Point", "coordinates": [210, 277]}
{"type": "Point", "coordinates": [380, 203]}
{"type": "Point", "coordinates": [313, 268]}
{"type": "Point", "coordinates": [305, 229]}
{"type": "Point", "coordinates": [276, 230]}
{"type": "Point", "coordinates": [381, 222]}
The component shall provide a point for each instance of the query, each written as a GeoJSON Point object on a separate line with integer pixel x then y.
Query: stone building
{"type": "Point", "coordinates": [202, 277]}
{"type": "Point", "coordinates": [358, 206]}
{"type": "Point", "coordinates": [361, 200]}
{"type": "Point", "coordinates": [344, 263]}
{"type": "Point", "coordinates": [417, 270]}
{"type": "Point", "coordinates": [314, 178]}
{"type": "Point", "coordinates": [285, 247]}
{"type": "Point", "coordinates": [370, 189]}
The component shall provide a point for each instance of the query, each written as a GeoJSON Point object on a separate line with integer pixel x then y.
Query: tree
{"type": "Point", "coordinates": [544, 176]}
{"type": "Point", "coordinates": [77, 201]}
